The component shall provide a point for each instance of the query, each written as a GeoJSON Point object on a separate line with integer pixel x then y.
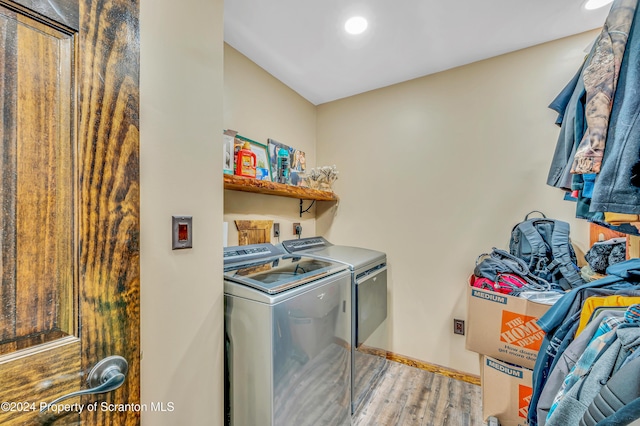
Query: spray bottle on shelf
{"type": "Point", "coordinates": [283, 166]}
{"type": "Point", "coordinates": [246, 162]}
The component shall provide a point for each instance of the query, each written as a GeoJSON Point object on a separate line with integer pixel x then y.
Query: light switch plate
{"type": "Point", "coordinates": [181, 232]}
{"type": "Point", "coordinates": [458, 326]}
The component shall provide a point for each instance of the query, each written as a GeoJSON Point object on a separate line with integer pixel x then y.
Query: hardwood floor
{"type": "Point", "coordinates": [400, 395]}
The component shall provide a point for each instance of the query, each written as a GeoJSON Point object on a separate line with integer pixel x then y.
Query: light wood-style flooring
{"type": "Point", "coordinates": [400, 395]}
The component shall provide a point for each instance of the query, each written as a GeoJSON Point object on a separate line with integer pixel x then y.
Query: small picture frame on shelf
{"type": "Point", "coordinates": [298, 167]}
{"type": "Point", "coordinates": [228, 153]}
{"type": "Point", "coordinates": [263, 171]}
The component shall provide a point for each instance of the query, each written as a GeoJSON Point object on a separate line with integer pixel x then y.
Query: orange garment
{"type": "Point", "coordinates": [594, 302]}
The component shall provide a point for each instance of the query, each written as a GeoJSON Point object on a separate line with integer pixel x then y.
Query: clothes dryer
{"type": "Point", "coordinates": [369, 291]}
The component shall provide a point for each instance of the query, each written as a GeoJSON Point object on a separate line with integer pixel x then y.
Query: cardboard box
{"type": "Point", "coordinates": [504, 327]}
{"type": "Point", "coordinates": [506, 391]}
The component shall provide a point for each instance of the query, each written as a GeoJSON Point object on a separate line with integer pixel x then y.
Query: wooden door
{"type": "Point", "coordinates": [69, 217]}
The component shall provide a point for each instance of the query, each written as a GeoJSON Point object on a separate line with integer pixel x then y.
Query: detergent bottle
{"type": "Point", "coordinates": [246, 162]}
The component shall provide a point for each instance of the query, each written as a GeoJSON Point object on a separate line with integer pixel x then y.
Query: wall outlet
{"type": "Point", "coordinates": [297, 229]}
{"type": "Point", "coordinates": [458, 326]}
{"type": "Point", "coordinates": [493, 421]}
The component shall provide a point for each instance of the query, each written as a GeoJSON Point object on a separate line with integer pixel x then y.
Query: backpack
{"type": "Point", "coordinates": [545, 246]}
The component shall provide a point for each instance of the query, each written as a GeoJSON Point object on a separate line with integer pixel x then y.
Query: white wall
{"type": "Point", "coordinates": [259, 107]}
{"type": "Point", "coordinates": [436, 171]}
{"type": "Point", "coordinates": [181, 291]}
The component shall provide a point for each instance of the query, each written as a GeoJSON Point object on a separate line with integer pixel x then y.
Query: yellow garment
{"type": "Point", "coordinates": [594, 302]}
{"type": "Point", "coordinates": [618, 219]}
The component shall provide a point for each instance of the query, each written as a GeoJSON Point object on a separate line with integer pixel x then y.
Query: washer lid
{"type": "Point", "coordinates": [277, 275]}
{"type": "Point", "coordinates": [318, 247]}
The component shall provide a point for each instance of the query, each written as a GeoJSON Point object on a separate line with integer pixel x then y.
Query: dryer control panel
{"type": "Point", "coordinates": [311, 243]}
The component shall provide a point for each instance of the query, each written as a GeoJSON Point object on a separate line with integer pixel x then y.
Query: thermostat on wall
{"type": "Point", "coordinates": [182, 232]}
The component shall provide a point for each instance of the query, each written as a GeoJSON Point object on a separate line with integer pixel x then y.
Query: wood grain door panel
{"type": "Point", "coordinates": [40, 352]}
{"type": "Point", "coordinates": [39, 375]}
{"type": "Point", "coordinates": [69, 204]}
{"type": "Point", "coordinates": [38, 181]}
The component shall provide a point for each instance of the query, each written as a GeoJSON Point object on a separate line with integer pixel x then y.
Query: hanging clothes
{"type": "Point", "coordinates": [611, 407]}
{"type": "Point", "coordinates": [567, 360]}
{"type": "Point", "coordinates": [613, 191]}
{"type": "Point", "coordinates": [590, 305]}
{"type": "Point", "coordinates": [563, 99]}
{"type": "Point", "coordinates": [562, 319]}
{"type": "Point", "coordinates": [600, 80]}
{"type": "Point", "coordinates": [573, 127]}
{"type": "Point", "coordinates": [600, 131]}
{"type": "Point", "coordinates": [611, 349]}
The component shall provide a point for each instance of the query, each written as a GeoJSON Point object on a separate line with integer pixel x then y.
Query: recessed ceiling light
{"type": "Point", "coordinates": [596, 4]}
{"type": "Point", "coordinates": [355, 25]}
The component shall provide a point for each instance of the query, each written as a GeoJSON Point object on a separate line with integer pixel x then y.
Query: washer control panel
{"type": "Point", "coordinates": [250, 253]}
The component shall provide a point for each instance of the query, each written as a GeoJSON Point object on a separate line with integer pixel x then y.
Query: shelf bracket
{"type": "Point", "coordinates": [307, 209]}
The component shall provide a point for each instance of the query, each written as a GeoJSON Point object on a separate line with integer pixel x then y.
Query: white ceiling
{"type": "Point", "coordinates": [303, 44]}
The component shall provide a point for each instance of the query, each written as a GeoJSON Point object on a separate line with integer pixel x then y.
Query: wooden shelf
{"type": "Point", "coordinates": [239, 183]}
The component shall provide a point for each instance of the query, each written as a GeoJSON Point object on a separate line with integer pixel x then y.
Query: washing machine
{"type": "Point", "coordinates": [368, 270]}
{"type": "Point", "coordinates": [287, 338]}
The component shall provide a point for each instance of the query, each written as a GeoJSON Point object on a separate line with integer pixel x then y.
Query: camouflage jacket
{"type": "Point", "coordinates": [600, 80]}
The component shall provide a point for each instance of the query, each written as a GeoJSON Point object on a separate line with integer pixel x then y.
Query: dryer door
{"type": "Point", "coordinates": [371, 297]}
